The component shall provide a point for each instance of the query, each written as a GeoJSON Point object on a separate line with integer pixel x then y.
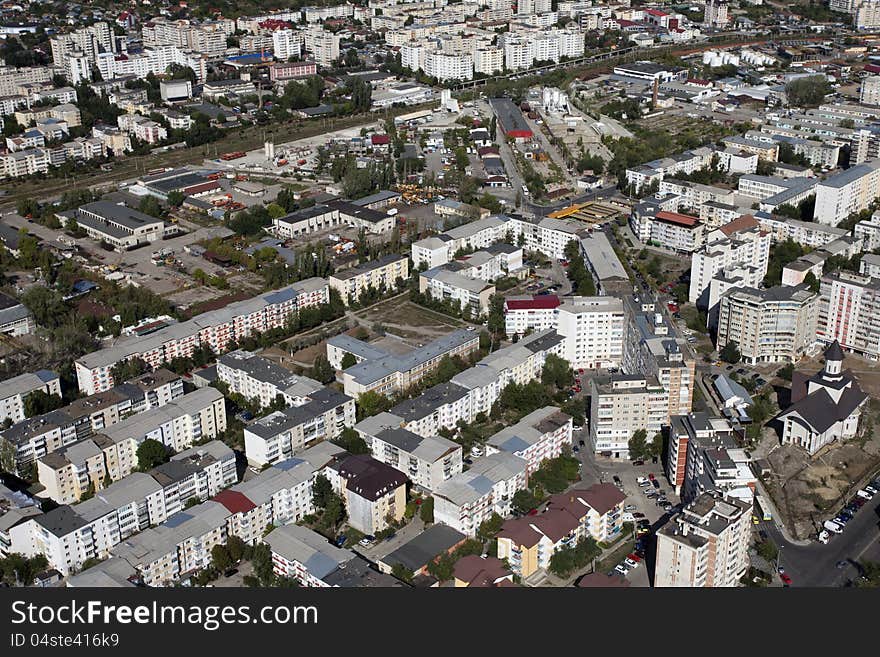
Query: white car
{"type": "Point", "coordinates": [620, 568]}
{"type": "Point", "coordinates": [824, 537]}
{"type": "Point", "coordinates": [865, 494]}
{"type": "Point", "coordinates": [642, 480]}
{"type": "Point", "coordinates": [627, 517]}
{"type": "Point", "coordinates": [632, 564]}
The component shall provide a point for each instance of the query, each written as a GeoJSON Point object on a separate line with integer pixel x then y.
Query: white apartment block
{"type": "Point", "coordinates": [468, 499]}
{"type": "Point", "coordinates": [686, 162]}
{"type": "Point", "coordinates": [196, 416]}
{"type": "Point", "coordinates": [445, 66]}
{"type": "Point", "coordinates": [540, 435]}
{"type": "Point", "coordinates": [593, 331]}
{"type": "Point", "coordinates": [868, 232]}
{"type": "Point", "coordinates": [282, 434]}
{"type": "Point", "coordinates": [845, 193]}
{"type": "Point", "coordinates": [769, 326]}
{"type": "Point", "coordinates": [706, 545]}
{"type": "Point", "coordinates": [286, 44]}
{"type": "Point", "coordinates": [679, 232]}
{"type": "Point", "coordinates": [805, 233]}
{"type": "Point", "coordinates": [428, 461]}
{"type": "Point", "coordinates": [740, 243]}
{"type": "Point", "coordinates": [216, 329]}
{"type": "Point", "coordinates": [446, 285]}
{"type": "Point", "coordinates": [530, 314]}
{"type": "Point", "coordinates": [621, 405]}
{"type": "Point", "coordinates": [849, 312]}
{"type": "Point", "coordinates": [257, 378]}
{"type": "Point", "coordinates": [15, 391]}
{"type": "Point", "coordinates": [381, 275]}
{"type": "Point", "coordinates": [324, 46]}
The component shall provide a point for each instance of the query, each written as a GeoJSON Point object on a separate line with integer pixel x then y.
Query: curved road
{"type": "Point", "coordinates": [815, 564]}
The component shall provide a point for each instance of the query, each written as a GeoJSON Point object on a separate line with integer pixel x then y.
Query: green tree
{"type": "Point", "coordinates": [524, 501]}
{"type": "Point", "coordinates": [322, 489]}
{"type": "Point", "coordinates": [351, 441]}
{"type": "Point", "coordinates": [348, 360]}
{"type": "Point", "coordinates": [557, 372]}
{"type": "Point", "coordinates": [489, 528]}
{"type": "Point", "coordinates": [638, 445]}
{"type": "Point", "coordinates": [39, 402]}
{"type": "Point", "coordinates": [402, 573]}
{"type": "Point", "coordinates": [730, 353]}
{"type": "Point", "coordinates": [807, 91]}
{"type": "Point", "coordinates": [322, 371]}
{"type": "Point", "coordinates": [151, 453]}
{"type": "Point", "coordinates": [372, 403]}
{"type": "Point", "coordinates": [426, 510]}
{"type": "Point", "coordinates": [220, 558]}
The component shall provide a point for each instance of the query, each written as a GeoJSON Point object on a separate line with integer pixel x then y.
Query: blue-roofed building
{"type": "Point", "coordinates": [388, 373]}
{"type": "Point", "coordinates": [470, 498]}
{"type": "Point", "coordinates": [304, 555]}
{"type": "Point", "coordinates": [540, 435]}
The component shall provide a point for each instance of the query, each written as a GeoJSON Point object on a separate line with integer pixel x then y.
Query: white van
{"type": "Point", "coordinates": [865, 494]}
{"type": "Point", "coordinates": [833, 527]}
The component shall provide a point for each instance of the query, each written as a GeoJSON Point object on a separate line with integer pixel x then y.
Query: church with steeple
{"type": "Point", "coordinates": [824, 407]}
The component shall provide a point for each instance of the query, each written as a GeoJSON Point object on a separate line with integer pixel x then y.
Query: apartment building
{"type": "Point", "coordinates": [593, 331]}
{"type": "Point", "coordinates": [70, 535]}
{"type": "Point", "coordinates": [540, 435]}
{"type": "Point", "coordinates": [391, 372]}
{"type": "Point", "coordinates": [373, 491]}
{"type": "Point", "coordinates": [428, 461]}
{"type": "Point", "coordinates": [16, 390]}
{"type": "Point", "coordinates": [305, 556]}
{"type": "Point", "coordinates": [673, 230]}
{"type": "Point", "coordinates": [468, 499]}
{"type": "Point", "coordinates": [382, 275]}
{"type": "Point", "coordinates": [868, 232]}
{"type": "Point", "coordinates": [527, 314]}
{"type": "Point", "coordinates": [469, 294]}
{"type": "Point", "coordinates": [714, 460]}
{"type": "Point", "coordinates": [869, 90]}
{"type": "Point", "coordinates": [706, 545]}
{"type": "Point", "coordinates": [655, 171]}
{"type": "Point", "coordinates": [683, 429]}
{"type": "Point", "coordinates": [849, 312]}
{"type": "Point", "coordinates": [260, 379]}
{"type": "Point", "coordinates": [774, 325]}
{"type": "Point", "coordinates": [177, 425]}
{"type": "Point", "coordinates": [805, 233]}
{"type": "Point", "coordinates": [281, 494]}
{"type": "Point", "coordinates": [282, 434]}
{"type": "Point", "coordinates": [528, 543]}
{"type": "Point", "coordinates": [851, 191]}
{"type": "Point", "coordinates": [621, 405]}
{"type": "Point", "coordinates": [216, 329]}
{"type": "Point", "coordinates": [35, 437]}
{"type": "Point", "coordinates": [693, 195]}
{"type": "Point", "coordinates": [654, 349]}
{"type": "Point", "coordinates": [740, 243]}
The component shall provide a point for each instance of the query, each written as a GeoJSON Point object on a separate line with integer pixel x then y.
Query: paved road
{"type": "Point", "coordinates": [814, 564]}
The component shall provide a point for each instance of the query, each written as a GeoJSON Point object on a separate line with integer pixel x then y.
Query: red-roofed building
{"type": "Point", "coordinates": [529, 542]}
{"type": "Point", "coordinates": [673, 230]}
{"type": "Point", "coordinates": [234, 501]}
{"type": "Point", "coordinates": [524, 313]}
{"type": "Point", "coordinates": [480, 572]}
{"type": "Point", "coordinates": [661, 19]}
{"type": "Point", "coordinates": [380, 140]}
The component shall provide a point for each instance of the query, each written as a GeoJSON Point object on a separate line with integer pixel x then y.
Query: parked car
{"type": "Point", "coordinates": [582, 443]}
{"type": "Point", "coordinates": [656, 483]}
{"type": "Point", "coordinates": [629, 507]}
{"type": "Point", "coordinates": [786, 580]}
{"type": "Point", "coordinates": [638, 463]}
{"type": "Point", "coordinates": [632, 564]}
{"type": "Point", "coordinates": [638, 515]}
{"type": "Point", "coordinates": [619, 568]}
{"type": "Point", "coordinates": [651, 476]}
{"type": "Point", "coordinates": [641, 480]}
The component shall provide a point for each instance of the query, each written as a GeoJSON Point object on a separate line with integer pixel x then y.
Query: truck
{"type": "Point", "coordinates": [762, 508]}
{"type": "Point", "coordinates": [833, 527]}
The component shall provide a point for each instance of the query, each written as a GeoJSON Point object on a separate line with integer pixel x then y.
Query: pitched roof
{"type": "Point", "coordinates": [234, 501]}
{"type": "Point", "coordinates": [743, 222]}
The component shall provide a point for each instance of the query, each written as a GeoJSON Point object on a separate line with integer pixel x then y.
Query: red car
{"type": "Point", "coordinates": [786, 580]}
{"type": "Point", "coordinates": [651, 476]}
{"type": "Point", "coordinates": [635, 557]}
{"type": "Point", "coordinates": [580, 371]}
{"type": "Point", "coordinates": [533, 512]}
